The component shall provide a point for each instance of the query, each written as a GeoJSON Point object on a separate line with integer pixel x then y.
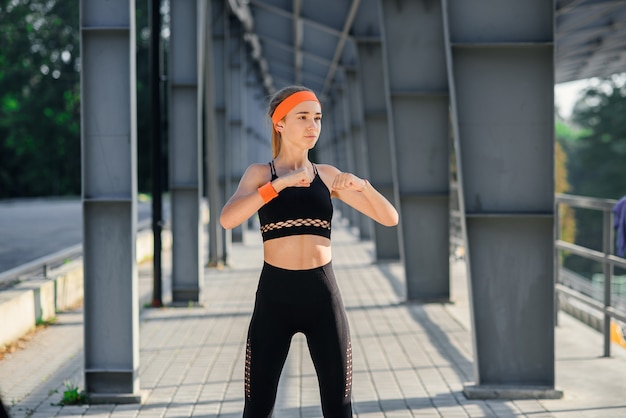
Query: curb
{"type": "Point", "coordinates": [35, 301]}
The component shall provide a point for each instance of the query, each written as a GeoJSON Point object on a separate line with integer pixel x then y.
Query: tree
{"type": "Point", "coordinates": [39, 99]}
{"type": "Point", "coordinates": [600, 154]}
{"type": "Point", "coordinates": [596, 159]}
{"type": "Point", "coordinates": [568, 223]}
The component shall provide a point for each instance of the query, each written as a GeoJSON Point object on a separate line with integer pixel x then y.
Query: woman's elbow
{"type": "Point", "coordinates": [225, 222]}
{"type": "Point", "coordinates": [392, 219]}
{"type": "Point", "coordinates": [391, 222]}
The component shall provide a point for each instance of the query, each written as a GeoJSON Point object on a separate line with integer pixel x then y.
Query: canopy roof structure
{"type": "Point", "coordinates": [590, 38]}
{"type": "Point", "coordinates": [296, 41]}
{"type": "Point", "coordinates": [445, 106]}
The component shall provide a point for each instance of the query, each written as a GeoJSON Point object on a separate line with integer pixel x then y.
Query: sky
{"type": "Point", "coordinates": [566, 94]}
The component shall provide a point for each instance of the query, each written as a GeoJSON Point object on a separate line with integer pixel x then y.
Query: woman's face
{"type": "Point", "coordinates": [302, 125]}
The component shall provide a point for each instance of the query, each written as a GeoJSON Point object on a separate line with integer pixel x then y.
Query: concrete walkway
{"type": "Point", "coordinates": [410, 360]}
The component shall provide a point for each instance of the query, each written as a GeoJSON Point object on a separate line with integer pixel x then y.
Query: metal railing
{"type": "Point", "coordinates": [40, 267]}
{"type": "Point", "coordinates": [604, 257]}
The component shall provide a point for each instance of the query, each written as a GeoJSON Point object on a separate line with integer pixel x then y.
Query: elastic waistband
{"type": "Point", "coordinates": [270, 267]}
{"type": "Point", "coordinates": [308, 286]}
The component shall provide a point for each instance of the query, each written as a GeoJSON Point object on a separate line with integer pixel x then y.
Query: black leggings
{"type": "Point", "coordinates": [287, 302]}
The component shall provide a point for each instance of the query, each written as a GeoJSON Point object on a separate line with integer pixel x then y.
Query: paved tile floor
{"type": "Point", "coordinates": [410, 360]}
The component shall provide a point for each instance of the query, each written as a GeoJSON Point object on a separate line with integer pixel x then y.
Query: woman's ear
{"type": "Point", "coordinates": [279, 126]}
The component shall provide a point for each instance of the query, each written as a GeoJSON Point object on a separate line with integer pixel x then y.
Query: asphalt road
{"type": "Point", "coordinates": [34, 228]}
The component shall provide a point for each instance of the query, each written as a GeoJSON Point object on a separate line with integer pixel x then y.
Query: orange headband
{"type": "Point", "coordinates": [290, 102]}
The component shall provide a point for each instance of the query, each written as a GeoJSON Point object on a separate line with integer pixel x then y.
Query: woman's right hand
{"type": "Point", "coordinates": [302, 177]}
{"type": "Point", "coordinates": [247, 200]}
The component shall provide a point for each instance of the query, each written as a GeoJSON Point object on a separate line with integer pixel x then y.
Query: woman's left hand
{"type": "Point", "coordinates": [348, 181]}
{"type": "Point", "coordinates": [370, 202]}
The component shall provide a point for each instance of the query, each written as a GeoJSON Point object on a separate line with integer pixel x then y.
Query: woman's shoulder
{"type": "Point", "coordinates": [259, 171]}
{"type": "Point", "coordinates": [327, 173]}
{"type": "Point", "coordinates": [258, 168]}
{"type": "Point", "coordinates": [327, 169]}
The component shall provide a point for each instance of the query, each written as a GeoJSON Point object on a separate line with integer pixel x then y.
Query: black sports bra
{"type": "Point", "coordinates": [297, 210]}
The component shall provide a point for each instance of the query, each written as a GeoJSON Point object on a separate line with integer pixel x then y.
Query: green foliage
{"type": "Point", "coordinates": [72, 395]}
{"type": "Point", "coordinates": [40, 98]}
{"type": "Point", "coordinates": [567, 221]}
{"type": "Point", "coordinates": [600, 153]}
{"type": "Point", "coordinates": [596, 160]}
{"type": "Point", "coordinates": [144, 134]}
{"type": "Point", "coordinates": [566, 132]}
{"type": "Point", "coordinates": [45, 322]}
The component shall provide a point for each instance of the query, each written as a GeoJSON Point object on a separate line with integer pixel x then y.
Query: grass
{"type": "Point", "coordinates": [72, 395]}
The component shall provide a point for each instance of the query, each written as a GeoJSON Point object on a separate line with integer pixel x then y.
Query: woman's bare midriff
{"type": "Point", "coordinates": [297, 252]}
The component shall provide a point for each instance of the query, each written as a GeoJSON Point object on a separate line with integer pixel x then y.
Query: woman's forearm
{"type": "Point", "coordinates": [382, 210]}
{"type": "Point", "coordinates": [240, 209]}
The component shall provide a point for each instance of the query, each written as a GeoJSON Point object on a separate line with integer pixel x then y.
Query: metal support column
{"type": "Point", "coordinates": [220, 96]}
{"type": "Point", "coordinates": [156, 127]}
{"type": "Point", "coordinates": [109, 200]}
{"type": "Point", "coordinates": [347, 143]}
{"type": "Point", "coordinates": [185, 153]}
{"type": "Point", "coordinates": [327, 144]}
{"type": "Point", "coordinates": [213, 99]}
{"type": "Point", "coordinates": [256, 123]}
{"type": "Point", "coordinates": [377, 112]}
{"type": "Point", "coordinates": [339, 143]}
{"type": "Point", "coordinates": [256, 128]}
{"type": "Point", "coordinates": [321, 151]}
{"type": "Point", "coordinates": [500, 60]}
{"type": "Point", "coordinates": [233, 63]}
{"type": "Point", "coordinates": [419, 99]}
{"type": "Point", "coordinates": [355, 108]}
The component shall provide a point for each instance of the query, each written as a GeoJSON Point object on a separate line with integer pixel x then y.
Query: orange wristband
{"type": "Point", "coordinates": [267, 192]}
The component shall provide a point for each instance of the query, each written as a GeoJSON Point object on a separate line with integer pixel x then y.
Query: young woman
{"type": "Point", "coordinates": [297, 291]}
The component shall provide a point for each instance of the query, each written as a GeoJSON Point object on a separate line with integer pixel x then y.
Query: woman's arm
{"type": "Point", "coordinates": [247, 200]}
{"type": "Point", "coordinates": [361, 195]}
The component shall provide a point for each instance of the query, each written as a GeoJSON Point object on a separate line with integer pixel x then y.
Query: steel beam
{"type": "Point", "coordinates": [257, 130]}
{"type": "Point", "coordinates": [377, 113]}
{"type": "Point", "coordinates": [327, 143]}
{"type": "Point", "coordinates": [219, 239]}
{"type": "Point", "coordinates": [109, 200]}
{"type": "Point", "coordinates": [235, 82]}
{"type": "Point", "coordinates": [185, 152]}
{"type": "Point", "coordinates": [414, 49]}
{"type": "Point", "coordinates": [323, 151]}
{"type": "Point", "coordinates": [256, 126]}
{"type": "Point", "coordinates": [359, 146]}
{"type": "Point", "coordinates": [341, 144]}
{"type": "Point", "coordinates": [500, 64]}
{"type": "Point", "coordinates": [348, 144]}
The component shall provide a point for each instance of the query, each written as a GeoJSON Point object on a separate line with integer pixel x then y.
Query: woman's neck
{"type": "Point", "coordinates": [291, 161]}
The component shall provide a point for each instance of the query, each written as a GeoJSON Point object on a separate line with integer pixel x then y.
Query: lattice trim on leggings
{"type": "Point", "coordinates": [247, 371]}
{"type": "Point", "coordinates": [317, 223]}
{"type": "Point", "coordinates": [348, 370]}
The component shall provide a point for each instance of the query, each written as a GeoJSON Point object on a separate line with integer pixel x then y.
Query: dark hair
{"type": "Point", "coordinates": [276, 99]}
